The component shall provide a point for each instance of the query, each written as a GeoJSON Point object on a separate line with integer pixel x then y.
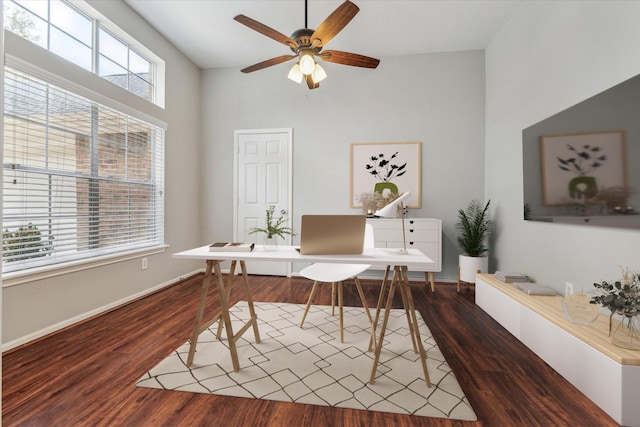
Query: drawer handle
{"type": "Point", "coordinates": [411, 230]}
{"type": "Point", "coordinates": [411, 243]}
{"type": "Point", "coordinates": [410, 221]}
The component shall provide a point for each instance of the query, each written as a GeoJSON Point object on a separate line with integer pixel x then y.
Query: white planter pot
{"type": "Point", "coordinates": [469, 266]}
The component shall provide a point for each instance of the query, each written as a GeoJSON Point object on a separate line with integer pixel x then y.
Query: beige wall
{"type": "Point", "coordinates": [32, 309]}
{"type": "Point", "coordinates": [549, 57]}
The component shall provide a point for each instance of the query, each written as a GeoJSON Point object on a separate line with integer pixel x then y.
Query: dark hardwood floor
{"type": "Point", "coordinates": [85, 375]}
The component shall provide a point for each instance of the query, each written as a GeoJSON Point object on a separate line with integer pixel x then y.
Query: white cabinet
{"type": "Point", "coordinates": [424, 234]}
{"type": "Point", "coordinates": [584, 355]}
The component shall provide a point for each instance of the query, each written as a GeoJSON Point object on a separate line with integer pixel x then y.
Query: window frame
{"type": "Point", "coordinates": [33, 59]}
{"type": "Point", "coordinates": [98, 22]}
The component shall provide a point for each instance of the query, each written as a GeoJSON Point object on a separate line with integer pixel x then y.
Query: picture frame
{"type": "Point", "coordinates": [600, 155]}
{"type": "Point", "coordinates": [403, 169]}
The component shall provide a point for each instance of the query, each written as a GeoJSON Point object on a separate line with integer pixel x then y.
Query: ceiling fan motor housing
{"type": "Point", "coordinates": [302, 37]}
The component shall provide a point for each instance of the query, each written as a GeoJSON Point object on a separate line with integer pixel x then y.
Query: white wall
{"type": "Point", "coordinates": [34, 308]}
{"type": "Point", "coordinates": [549, 57]}
{"type": "Point", "coordinates": [436, 99]}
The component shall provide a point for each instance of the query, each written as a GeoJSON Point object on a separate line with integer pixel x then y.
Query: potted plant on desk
{"type": "Point", "coordinates": [273, 228]}
{"type": "Point", "coordinates": [474, 225]}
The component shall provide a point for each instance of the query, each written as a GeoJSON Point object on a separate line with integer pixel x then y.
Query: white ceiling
{"type": "Point", "coordinates": [205, 31]}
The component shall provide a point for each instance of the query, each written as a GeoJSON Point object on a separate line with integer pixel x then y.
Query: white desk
{"type": "Point", "coordinates": [382, 257]}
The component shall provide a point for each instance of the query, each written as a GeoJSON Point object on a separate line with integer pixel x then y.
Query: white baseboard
{"type": "Point", "coordinates": [84, 316]}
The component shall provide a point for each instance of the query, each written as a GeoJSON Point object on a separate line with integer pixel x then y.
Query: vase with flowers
{"type": "Point", "coordinates": [622, 298]}
{"type": "Point", "coordinates": [273, 229]}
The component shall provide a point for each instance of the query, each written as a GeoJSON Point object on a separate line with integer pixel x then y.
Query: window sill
{"type": "Point", "coordinates": [18, 278]}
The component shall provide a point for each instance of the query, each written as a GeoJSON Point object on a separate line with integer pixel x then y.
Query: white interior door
{"type": "Point", "coordinates": [262, 178]}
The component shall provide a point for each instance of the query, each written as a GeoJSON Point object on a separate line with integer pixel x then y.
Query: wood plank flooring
{"type": "Point", "coordinates": [85, 375]}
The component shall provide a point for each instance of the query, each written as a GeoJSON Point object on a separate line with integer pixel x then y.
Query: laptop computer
{"type": "Point", "coordinates": [332, 234]}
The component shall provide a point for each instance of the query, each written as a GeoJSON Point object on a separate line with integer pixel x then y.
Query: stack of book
{"type": "Point", "coordinates": [231, 247]}
{"type": "Point", "coordinates": [509, 277]}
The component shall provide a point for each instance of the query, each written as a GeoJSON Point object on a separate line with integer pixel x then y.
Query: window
{"type": "Point", "coordinates": [80, 179]}
{"type": "Point", "coordinates": [66, 30]}
{"type": "Point", "coordinates": [122, 65]}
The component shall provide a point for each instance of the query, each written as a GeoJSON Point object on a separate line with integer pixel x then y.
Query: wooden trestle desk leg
{"type": "Point", "coordinates": [224, 314]}
{"type": "Point", "coordinates": [374, 324]}
{"type": "Point", "coordinates": [400, 278]}
{"type": "Point", "coordinates": [414, 320]}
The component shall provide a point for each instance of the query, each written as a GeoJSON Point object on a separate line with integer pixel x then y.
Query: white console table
{"type": "Point", "coordinates": [424, 234]}
{"type": "Point", "coordinates": [606, 374]}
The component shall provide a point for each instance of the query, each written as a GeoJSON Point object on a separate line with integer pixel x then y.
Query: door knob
{"type": "Point", "coordinates": [283, 211]}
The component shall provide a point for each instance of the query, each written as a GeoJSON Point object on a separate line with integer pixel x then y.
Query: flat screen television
{"type": "Point", "coordinates": [581, 165]}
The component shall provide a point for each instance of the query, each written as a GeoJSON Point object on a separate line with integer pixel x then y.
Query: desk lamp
{"type": "Point", "coordinates": [391, 210]}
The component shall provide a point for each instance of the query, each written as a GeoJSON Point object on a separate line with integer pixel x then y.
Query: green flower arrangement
{"type": "Point", "coordinates": [620, 297]}
{"type": "Point", "coordinates": [273, 226]}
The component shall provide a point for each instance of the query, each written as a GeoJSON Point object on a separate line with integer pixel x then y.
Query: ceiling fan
{"type": "Point", "coordinates": [307, 44]}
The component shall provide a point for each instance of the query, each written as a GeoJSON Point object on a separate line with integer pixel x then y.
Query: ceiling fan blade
{"type": "Point", "coordinates": [347, 58]}
{"type": "Point", "coordinates": [310, 83]}
{"type": "Point", "coordinates": [267, 31]}
{"type": "Point", "coordinates": [268, 63]}
{"type": "Point", "coordinates": [334, 23]}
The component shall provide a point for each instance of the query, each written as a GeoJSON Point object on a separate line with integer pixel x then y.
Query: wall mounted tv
{"type": "Point", "coordinates": [581, 166]}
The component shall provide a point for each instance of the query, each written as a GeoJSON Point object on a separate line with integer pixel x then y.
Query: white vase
{"type": "Point", "coordinates": [469, 267]}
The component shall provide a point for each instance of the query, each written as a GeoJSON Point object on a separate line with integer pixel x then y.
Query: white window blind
{"type": "Point", "coordinates": [80, 179]}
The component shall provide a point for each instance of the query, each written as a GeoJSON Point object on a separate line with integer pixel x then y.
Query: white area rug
{"type": "Point", "coordinates": [311, 366]}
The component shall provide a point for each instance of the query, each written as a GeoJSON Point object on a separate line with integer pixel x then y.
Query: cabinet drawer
{"type": "Point", "coordinates": [422, 224]}
{"type": "Point", "coordinates": [394, 224]}
{"type": "Point", "coordinates": [412, 234]}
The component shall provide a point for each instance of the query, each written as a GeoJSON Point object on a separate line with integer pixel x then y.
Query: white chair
{"type": "Point", "coordinates": [336, 274]}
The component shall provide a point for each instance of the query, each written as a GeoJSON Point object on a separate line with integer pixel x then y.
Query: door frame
{"type": "Point", "coordinates": [289, 183]}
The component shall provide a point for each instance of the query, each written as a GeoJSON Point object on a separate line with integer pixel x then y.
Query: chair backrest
{"type": "Point", "coordinates": [369, 238]}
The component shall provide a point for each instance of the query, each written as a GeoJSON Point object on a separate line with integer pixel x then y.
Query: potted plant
{"type": "Point", "coordinates": [273, 228]}
{"type": "Point", "coordinates": [474, 225]}
{"type": "Point", "coordinates": [622, 298]}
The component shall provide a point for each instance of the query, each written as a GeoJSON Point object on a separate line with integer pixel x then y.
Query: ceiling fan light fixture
{"type": "Point", "coordinates": [295, 73]}
{"type": "Point", "coordinates": [306, 44]}
{"type": "Point", "coordinates": [307, 63]}
{"type": "Point", "coordinates": [318, 74]}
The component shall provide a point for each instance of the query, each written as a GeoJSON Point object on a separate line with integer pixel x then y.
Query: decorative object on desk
{"type": "Point", "coordinates": [474, 226]}
{"type": "Point", "coordinates": [577, 307]}
{"type": "Point", "coordinates": [311, 366]}
{"type": "Point", "coordinates": [274, 228]}
{"type": "Point", "coordinates": [391, 210]}
{"type": "Point", "coordinates": [231, 247]}
{"type": "Point", "coordinates": [385, 168]}
{"type": "Point", "coordinates": [622, 298]}
{"type": "Point", "coordinates": [374, 201]}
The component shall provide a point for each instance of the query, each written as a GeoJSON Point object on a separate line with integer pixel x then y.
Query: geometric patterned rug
{"type": "Point", "coordinates": [311, 366]}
